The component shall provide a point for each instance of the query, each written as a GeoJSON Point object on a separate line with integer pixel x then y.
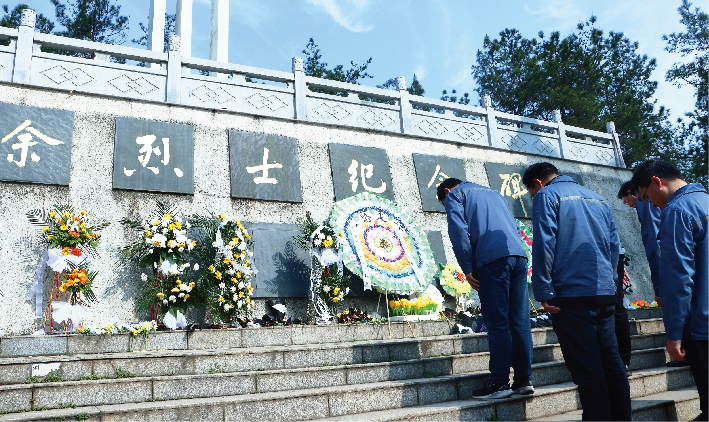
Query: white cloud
{"type": "Point", "coordinates": [557, 9]}
{"type": "Point", "coordinates": [347, 13]}
{"type": "Point", "coordinates": [420, 72]}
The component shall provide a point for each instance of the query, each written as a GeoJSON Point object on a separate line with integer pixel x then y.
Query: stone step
{"type": "Point", "coordinates": [75, 344]}
{"type": "Point", "coordinates": [190, 362]}
{"type": "Point", "coordinates": [142, 389]}
{"type": "Point", "coordinates": [674, 405]}
{"type": "Point", "coordinates": [361, 402]}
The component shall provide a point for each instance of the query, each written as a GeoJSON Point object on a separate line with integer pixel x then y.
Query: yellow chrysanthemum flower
{"type": "Point", "coordinates": [335, 299]}
{"type": "Point", "coordinates": [227, 260]}
{"type": "Point", "coordinates": [238, 274]}
{"type": "Point", "coordinates": [248, 299]}
{"type": "Point", "coordinates": [161, 295]}
{"type": "Point", "coordinates": [66, 214]}
{"type": "Point", "coordinates": [82, 225]}
{"type": "Point", "coordinates": [191, 284]}
{"type": "Point", "coordinates": [168, 216]}
{"type": "Point", "coordinates": [171, 226]}
{"type": "Point", "coordinates": [241, 294]}
{"type": "Point", "coordinates": [156, 223]}
{"type": "Point", "coordinates": [148, 234]}
{"type": "Point", "coordinates": [175, 290]}
{"type": "Point", "coordinates": [211, 268]}
{"type": "Point", "coordinates": [45, 229]}
{"type": "Point", "coordinates": [178, 224]}
{"type": "Point", "coordinates": [336, 290]}
{"type": "Point", "coordinates": [66, 251]}
{"type": "Point", "coordinates": [52, 214]}
{"type": "Point", "coordinates": [221, 299]}
{"type": "Point", "coordinates": [187, 296]}
{"type": "Point", "coordinates": [82, 212]}
{"type": "Point", "coordinates": [218, 275]}
{"type": "Point", "coordinates": [63, 227]}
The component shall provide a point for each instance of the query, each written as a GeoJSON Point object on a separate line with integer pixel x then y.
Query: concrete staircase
{"type": "Point", "coordinates": [303, 373]}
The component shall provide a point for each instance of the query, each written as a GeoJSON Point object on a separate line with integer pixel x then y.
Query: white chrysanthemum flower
{"type": "Point", "coordinates": [180, 249]}
{"type": "Point", "coordinates": [226, 307]}
{"type": "Point", "coordinates": [222, 285]}
{"type": "Point", "coordinates": [183, 286]}
{"type": "Point", "coordinates": [164, 231]}
{"type": "Point", "coordinates": [189, 289]}
{"type": "Point", "coordinates": [187, 224]}
{"type": "Point", "coordinates": [233, 288]}
{"type": "Point", "coordinates": [240, 303]}
{"type": "Point", "coordinates": [242, 246]}
{"type": "Point", "coordinates": [196, 267]}
{"type": "Point", "coordinates": [215, 244]}
{"type": "Point", "coordinates": [144, 277]}
{"type": "Point", "coordinates": [318, 242]}
{"type": "Point", "coordinates": [165, 221]}
{"type": "Point", "coordinates": [164, 301]}
{"type": "Point", "coordinates": [235, 298]}
{"type": "Point", "coordinates": [241, 285]}
{"type": "Point", "coordinates": [329, 238]}
{"type": "Point", "coordinates": [326, 288]}
{"type": "Point", "coordinates": [181, 238]}
{"type": "Point", "coordinates": [347, 290]}
{"type": "Point", "coordinates": [155, 264]}
{"type": "Point", "coordinates": [150, 250]}
{"type": "Point", "coordinates": [181, 295]}
{"type": "Point", "coordinates": [231, 244]}
{"type": "Point", "coordinates": [230, 271]}
{"type": "Point", "coordinates": [172, 298]}
{"type": "Point", "coordinates": [159, 239]}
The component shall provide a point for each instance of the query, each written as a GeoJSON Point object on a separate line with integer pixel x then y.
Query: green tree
{"type": "Point", "coordinates": [169, 31]}
{"type": "Point", "coordinates": [11, 19]}
{"type": "Point", "coordinates": [314, 66]}
{"type": "Point", "coordinates": [694, 44]}
{"type": "Point", "coordinates": [590, 77]}
{"type": "Point", "coordinates": [92, 20]}
{"type": "Point", "coordinates": [414, 89]}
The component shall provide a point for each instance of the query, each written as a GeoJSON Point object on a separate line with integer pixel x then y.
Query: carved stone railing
{"type": "Point", "coordinates": [286, 95]}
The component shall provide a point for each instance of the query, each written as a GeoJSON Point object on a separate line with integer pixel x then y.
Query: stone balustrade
{"type": "Point", "coordinates": [167, 78]}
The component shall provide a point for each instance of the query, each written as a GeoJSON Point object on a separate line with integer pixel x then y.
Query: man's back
{"type": "Point", "coordinates": [576, 241]}
{"type": "Point", "coordinates": [649, 216]}
{"type": "Point", "coordinates": [684, 262]}
{"type": "Point", "coordinates": [481, 226]}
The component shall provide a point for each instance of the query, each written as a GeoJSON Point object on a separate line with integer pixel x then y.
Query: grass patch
{"type": "Point", "coordinates": [82, 416]}
{"type": "Point", "coordinates": [48, 378]}
{"type": "Point", "coordinates": [120, 373]}
{"type": "Point", "coordinates": [67, 406]}
{"type": "Point", "coordinates": [393, 358]}
{"type": "Point", "coordinates": [93, 378]}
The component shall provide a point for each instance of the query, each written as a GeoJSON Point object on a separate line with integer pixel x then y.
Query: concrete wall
{"type": "Point", "coordinates": [90, 188]}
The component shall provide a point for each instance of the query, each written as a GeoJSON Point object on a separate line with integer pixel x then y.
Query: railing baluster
{"type": "Point", "coordinates": [25, 46]}
{"type": "Point", "coordinates": [300, 88]}
{"type": "Point", "coordinates": [404, 105]}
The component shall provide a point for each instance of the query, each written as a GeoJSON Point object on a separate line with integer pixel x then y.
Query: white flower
{"type": "Point", "coordinates": [172, 298]}
{"type": "Point", "coordinates": [318, 242]}
{"type": "Point", "coordinates": [241, 285]}
{"type": "Point", "coordinates": [181, 238]}
{"type": "Point", "coordinates": [181, 295]}
{"type": "Point", "coordinates": [150, 250]}
{"type": "Point", "coordinates": [144, 277]}
{"type": "Point", "coordinates": [231, 271]}
{"type": "Point", "coordinates": [160, 239]}
{"type": "Point", "coordinates": [321, 236]}
{"type": "Point", "coordinates": [190, 246]}
{"type": "Point", "coordinates": [326, 288]}
{"type": "Point", "coordinates": [329, 238]}
{"type": "Point", "coordinates": [180, 249]}
{"type": "Point", "coordinates": [347, 290]}
{"type": "Point", "coordinates": [170, 250]}
{"type": "Point", "coordinates": [155, 264]}
{"type": "Point", "coordinates": [215, 244]}
{"type": "Point", "coordinates": [226, 307]}
{"type": "Point", "coordinates": [164, 301]}
{"type": "Point", "coordinates": [240, 303]}
{"type": "Point", "coordinates": [235, 298]}
{"type": "Point", "coordinates": [165, 221]}
{"type": "Point", "coordinates": [164, 231]}
{"type": "Point", "coordinates": [187, 224]}
{"type": "Point", "coordinates": [184, 286]}
{"type": "Point", "coordinates": [196, 267]}
{"type": "Point", "coordinates": [222, 286]}
{"type": "Point", "coordinates": [233, 288]}
{"type": "Point", "coordinates": [242, 246]}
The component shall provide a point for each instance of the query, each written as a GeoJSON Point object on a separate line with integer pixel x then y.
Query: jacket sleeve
{"type": "Point", "coordinates": [544, 226]}
{"type": "Point", "coordinates": [615, 248]}
{"type": "Point", "coordinates": [458, 233]}
{"type": "Point", "coordinates": [649, 228]}
{"type": "Point", "coordinates": [676, 271]}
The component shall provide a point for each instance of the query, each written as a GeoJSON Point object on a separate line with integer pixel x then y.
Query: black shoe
{"type": "Point", "coordinates": [676, 363]}
{"type": "Point", "coordinates": [523, 387]}
{"type": "Point", "coordinates": [493, 391]}
{"type": "Point", "coordinates": [627, 371]}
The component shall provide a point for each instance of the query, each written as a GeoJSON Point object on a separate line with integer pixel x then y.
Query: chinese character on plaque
{"type": "Point", "coordinates": [153, 156]}
{"type": "Point", "coordinates": [431, 170]}
{"type": "Point", "coordinates": [35, 144]}
{"type": "Point", "coordinates": [360, 169]}
{"type": "Point", "coordinates": [264, 166]}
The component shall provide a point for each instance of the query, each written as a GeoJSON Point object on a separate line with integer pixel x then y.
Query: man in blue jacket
{"type": "Point", "coordinates": [649, 217]}
{"type": "Point", "coordinates": [684, 265]}
{"type": "Point", "coordinates": [489, 250]}
{"type": "Point", "coordinates": [574, 256]}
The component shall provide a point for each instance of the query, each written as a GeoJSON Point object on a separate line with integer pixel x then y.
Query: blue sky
{"type": "Point", "coordinates": [436, 40]}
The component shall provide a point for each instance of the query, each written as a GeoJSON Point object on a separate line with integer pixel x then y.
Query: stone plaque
{"type": "Point", "coordinates": [508, 181]}
{"type": "Point", "coordinates": [435, 240]}
{"type": "Point", "coordinates": [284, 270]}
{"type": "Point", "coordinates": [264, 166]}
{"type": "Point", "coordinates": [358, 169]}
{"type": "Point", "coordinates": [153, 156]}
{"type": "Point", "coordinates": [430, 172]}
{"type": "Point", "coordinates": [35, 144]}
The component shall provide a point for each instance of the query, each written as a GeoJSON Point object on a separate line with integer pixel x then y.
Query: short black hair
{"type": "Point", "coordinates": [655, 168]}
{"type": "Point", "coordinates": [449, 183]}
{"type": "Point", "coordinates": [541, 171]}
{"type": "Point", "coordinates": [626, 187]}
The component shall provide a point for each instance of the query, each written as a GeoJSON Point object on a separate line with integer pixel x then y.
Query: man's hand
{"type": "Point", "coordinates": [549, 308]}
{"type": "Point", "coordinates": [659, 301]}
{"type": "Point", "coordinates": [674, 348]}
{"type": "Point", "coordinates": [475, 284]}
{"type": "Point", "coordinates": [626, 278]}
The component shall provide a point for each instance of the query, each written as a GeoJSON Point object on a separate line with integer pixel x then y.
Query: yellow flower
{"type": "Point", "coordinates": [192, 284]}
{"type": "Point", "coordinates": [336, 290]}
{"type": "Point", "coordinates": [50, 237]}
{"type": "Point", "coordinates": [178, 224]}
{"type": "Point", "coordinates": [342, 235]}
{"type": "Point", "coordinates": [235, 239]}
{"type": "Point", "coordinates": [66, 251]}
{"type": "Point", "coordinates": [221, 299]}
{"type": "Point", "coordinates": [52, 214]}
{"type": "Point", "coordinates": [335, 299]}
{"type": "Point", "coordinates": [248, 299]}
{"type": "Point", "coordinates": [194, 243]}
{"type": "Point", "coordinates": [171, 243]}
{"type": "Point", "coordinates": [148, 234]}
{"type": "Point", "coordinates": [66, 214]}
{"type": "Point", "coordinates": [63, 227]}
{"type": "Point", "coordinates": [82, 212]}
{"type": "Point", "coordinates": [157, 243]}
{"type": "Point", "coordinates": [82, 225]}
{"type": "Point", "coordinates": [231, 306]}
{"type": "Point", "coordinates": [218, 275]}
{"type": "Point", "coordinates": [175, 290]}
{"type": "Point", "coordinates": [246, 235]}
{"type": "Point", "coordinates": [238, 274]}
{"type": "Point", "coordinates": [168, 216]}
{"type": "Point", "coordinates": [221, 217]}
{"type": "Point", "coordinates": [171, 226]}
{"type": "Point", "coordinates": [211, 268]}
{"type": "Point", "coordinates": [187, 296]}
{"type": "Point", "coordinates": [241, 294]}
{"type": "Point", "coordinates": [250, 289]}
{"type": "Point", "coordinates": [227, 260]}
{"type": "Point", "coordinates": [45, 229]}
{"type": "Point", "coordinates": [156, 223]}
{"type": "Point", "coordinates": [161, 295]}
{"type": "Point", "coordinates": [98, 234]}
{"type": "Point", "coordinates": [178, 282]}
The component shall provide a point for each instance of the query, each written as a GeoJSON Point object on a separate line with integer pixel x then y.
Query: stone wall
{"type": "Point", "coordinates": [91, 188]}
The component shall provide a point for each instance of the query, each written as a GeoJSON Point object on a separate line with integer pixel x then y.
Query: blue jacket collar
{"type": "Point", "coordinates": [561, 178]}
{"type": "Point", "coordinates": [686, 189]}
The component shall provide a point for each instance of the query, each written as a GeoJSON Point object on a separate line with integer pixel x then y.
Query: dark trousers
{"type": "Point", "coordinates": [622, 325]}
{"type": "Point", "coordinates": [504, 302]}
{"type": "Point", "coordinates": [587, 339]}
{"type": "Point", "coordinates": [696, 355]}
